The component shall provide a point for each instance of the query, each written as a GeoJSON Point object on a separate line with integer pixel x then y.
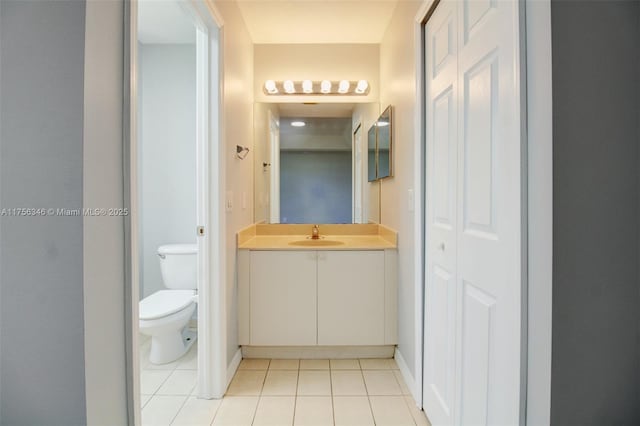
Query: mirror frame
{"type": "Point", "coordinates": [387, 112]}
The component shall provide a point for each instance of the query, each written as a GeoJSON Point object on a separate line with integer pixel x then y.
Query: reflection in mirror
{"type": "Point", "coordinates": [311, 163]}
{"type": "Point", "coordinates": [384, 126]}
{"type": "Point", "coordinates": [371, 154]}
{"type": "Point", "coordinates": [315, 170]}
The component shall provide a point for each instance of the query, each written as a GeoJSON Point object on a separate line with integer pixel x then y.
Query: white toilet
{"type": "Point", "coordinates": [165, 314]}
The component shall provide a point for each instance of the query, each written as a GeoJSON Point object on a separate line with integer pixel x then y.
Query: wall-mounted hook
{"type": "Point", "coordinates": [241, 152]}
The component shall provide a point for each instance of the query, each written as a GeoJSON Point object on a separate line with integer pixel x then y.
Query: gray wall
{"type": "Point", "coordinates": [168, 147]}
{"type": "Point", "coordinates": [596, 303]}
{"type": "Point", "coordinates": [315, 187]}
{"type": "Point", "coordinates": [41, 136]}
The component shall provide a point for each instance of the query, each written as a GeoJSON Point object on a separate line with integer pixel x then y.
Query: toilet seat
{"type": "Point", "coordinates": [165, 302]}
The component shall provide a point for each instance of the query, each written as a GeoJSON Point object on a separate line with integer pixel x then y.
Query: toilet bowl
{"type": "Point", "coordinates": [165, 314]}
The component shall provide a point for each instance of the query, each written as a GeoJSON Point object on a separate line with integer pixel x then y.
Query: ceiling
{"type": "Point", "coordinates": [164, 22]}
{"type": "Point", "coordinates": [313, 21]}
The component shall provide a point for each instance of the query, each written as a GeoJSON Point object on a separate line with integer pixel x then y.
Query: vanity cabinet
{"type": "Point", "coordinates": [351, 297]}
{"type": "Point", "coordinates": [322, 297]}
{"type": "Point", "coordinates": [283, 298]}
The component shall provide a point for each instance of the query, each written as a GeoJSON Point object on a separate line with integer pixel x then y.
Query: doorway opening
{"type": "Point", "coordinates": [175, 345]}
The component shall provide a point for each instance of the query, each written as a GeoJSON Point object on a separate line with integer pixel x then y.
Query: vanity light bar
{"type": "Point", "coordinates": [322, 88]}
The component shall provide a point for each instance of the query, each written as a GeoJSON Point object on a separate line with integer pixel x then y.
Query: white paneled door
{"type": "Point", "coordinates": [474, 225]}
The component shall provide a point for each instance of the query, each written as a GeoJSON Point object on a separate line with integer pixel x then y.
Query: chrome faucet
{"type": "Point", "coordinates": [315, 232]}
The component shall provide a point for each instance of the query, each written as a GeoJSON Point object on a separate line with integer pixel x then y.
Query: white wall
{"type": "Point", "coordinates": [316, 62]}
{"type": "Point", "coordinates": [397, 76]}
{"type": "Point", "coordinates": [167, 165]}
{"type": "Point", "coordinates": [238, 130]}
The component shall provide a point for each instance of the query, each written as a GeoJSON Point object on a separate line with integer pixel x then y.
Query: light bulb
{"type": "Point", "coordinates": [289, 87]}
{"type": "Point", "coordinates": [362, 87]}
{"type": "Point", "coordinates": [325, 86]}
{"type": "Point", "coordinates": [343, 87]}
{"type": "Point", "coordinates": [307, 86]}
{"type": "Point", "coordinates": [270, 87]}
{"type": "Point", "coordinates": [298, 123]}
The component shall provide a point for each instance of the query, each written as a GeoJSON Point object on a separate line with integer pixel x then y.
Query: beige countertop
{"type": "Point", "coordinates": [343, 237]}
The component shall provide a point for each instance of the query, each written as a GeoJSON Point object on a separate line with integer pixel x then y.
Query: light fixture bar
{"type": "Point", "coordinates": [316, 88]}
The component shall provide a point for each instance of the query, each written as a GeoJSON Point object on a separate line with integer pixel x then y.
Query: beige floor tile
{"type": "Point", "coordinates": [275, 411]}
{"type": "Point", "coordinates": [284, 364]}
{"type": "Point", "coordinates": [418, 415]}
{"type": "Point", "coordinates": [280, 383]}
{"type": "Point", "coordinates": [189, 361]}
{"type": "Point", "coordinates": [151, 380]}
{"type": "Point", "coordinates": [180, 382]}
{"type": "Point", "coordinates": [381, 382]}
{"type": "Point", "coordinates": [314, 364]}
{"type": "Point", "coordinates": [313, 411]}
{"type": "Point", "coordinates": [236, 411]}
{"type": "Point", "coordinates": [348, 383]}
{"type": "Point", "coordinates": [254, 364]}
{"type": "Point", "coordinates": [390, 411]}
{"type": "Point", "coordinates": [345, 364]}
{"type": "Point", "coordinates": [197, 412]}
{"type": "Point", "coordinates": [352, 411]}
{"type": "Point", "coordinates": [314, 383]}
{"type": "Point", "coordinates": [403, 386]}
{"type": "Point", "coordinates": [161, 410]}
{"type": "Point", "coordinates": [247, 382]}
{"type": "Point", "coordinates": [375, 364]}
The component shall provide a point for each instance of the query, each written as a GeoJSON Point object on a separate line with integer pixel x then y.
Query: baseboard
{"type": "Point", "coordinates": [407, 376]}
{"type": "Point", "coordinates": [233, 365]}
{"type": "Point", "coordinates": [317, 352]}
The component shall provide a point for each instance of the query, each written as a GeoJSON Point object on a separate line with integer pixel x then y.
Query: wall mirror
{"type": "Point", "coordinates": [311, 163]}
{"type": "Point", "coordinates": [380, 146]}
{"type": "Point", "coordinates": [384, 127]}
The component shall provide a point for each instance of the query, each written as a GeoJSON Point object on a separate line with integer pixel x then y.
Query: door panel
{"type": "Point", "coordinates": [480, 104]}
{"type": "Point", "coordinates": [441, 216]}
{"type": "Point", "coordinates": [476, 346]}
{"type": "Point", "coordinates": [473, 214]}
{"type": "Point", "coordinates": [489, 237]}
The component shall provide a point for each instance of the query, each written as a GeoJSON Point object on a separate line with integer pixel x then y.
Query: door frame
{"type": "Point", "coordinates": [357, 178]}
{"type": "Point", "coordinates": [538, 250]}
{"type": "Point", "coordinates": [212, 371]}
{"type": "Point", "coordinates": [273, 121]}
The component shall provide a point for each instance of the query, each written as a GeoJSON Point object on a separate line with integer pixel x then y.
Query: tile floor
{"type": "Point", "coordinates": [282, 392]}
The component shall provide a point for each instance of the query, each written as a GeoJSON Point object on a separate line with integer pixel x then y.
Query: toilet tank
{"type": "Point", "coordinates": [178, 264]}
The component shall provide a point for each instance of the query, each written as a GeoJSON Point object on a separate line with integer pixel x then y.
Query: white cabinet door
{"type": "Point", "coordinates": [351, 298]}
{"type": "Point", "coordinates": [283, 298]}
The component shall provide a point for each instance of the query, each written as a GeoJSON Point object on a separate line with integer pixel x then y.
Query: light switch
{"type": "Point", "coordinates": [229, 203]}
